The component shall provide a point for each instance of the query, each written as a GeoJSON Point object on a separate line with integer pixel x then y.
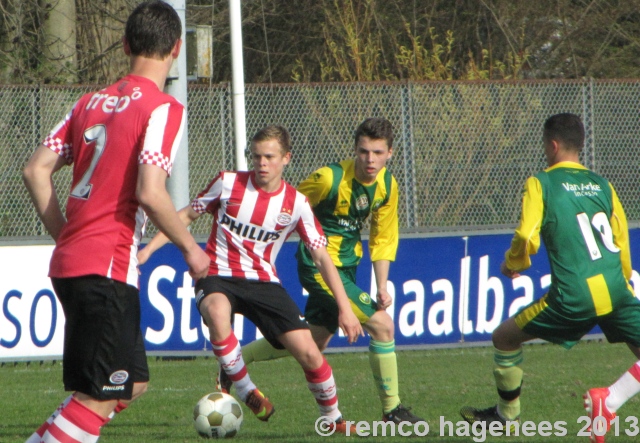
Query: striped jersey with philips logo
{"type": "Point", "coordinates": [582, 223]}
{"type": "Point", "coordinates": [251, 225]}
{"type": "Point", "coordinates": [342, 204]}
{"type": "Point", "coordinates": [106, 136]}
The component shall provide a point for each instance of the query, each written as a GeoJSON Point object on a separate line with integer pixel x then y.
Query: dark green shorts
{"type": "Point", "coordinates": [322, 309]}
{"type": "Point", "coordinates": [544, 320]}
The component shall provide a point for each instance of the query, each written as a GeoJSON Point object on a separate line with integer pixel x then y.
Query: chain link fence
{"type": "Point", "coordinates": [462, 151]}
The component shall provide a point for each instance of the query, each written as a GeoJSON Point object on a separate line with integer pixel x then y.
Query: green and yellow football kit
{"type": "Point", "coordinates": [583, 225]}
{"type": "Point", "coordinates": [342, 204]}
{"type": "Point", "coordinates": [584, 228]}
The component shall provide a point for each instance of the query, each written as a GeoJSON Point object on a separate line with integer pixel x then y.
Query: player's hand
{"type": "Point", "coordinates": [383, 299]}
{"type": "Point", "coordinates": [350, 325]}
{"type": "Point", "coordinates": [143, 256]}
{"type": "Point", "coordinates": [198, 262]}
{"type": "Point", "coordinates": [508, 272]}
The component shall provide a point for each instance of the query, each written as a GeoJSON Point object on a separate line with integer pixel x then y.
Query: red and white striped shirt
{"type": "Point", "coordinates": [106, 136]}
{"type": "Point", "coordinates": [251, 225]}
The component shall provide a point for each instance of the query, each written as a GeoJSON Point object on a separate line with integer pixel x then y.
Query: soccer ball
{"type": "Point", "coordinates": [217, 415]}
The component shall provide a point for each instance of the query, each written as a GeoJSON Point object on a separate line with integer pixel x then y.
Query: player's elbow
{"type": "Point", "coordinates": [320, 257]}
{"type": "Point", "coordinates": [318, 263]}
{"type": "Point", "coordinates": [148, 197]}
{"type": "Point", "coordinates": [28, 175]}
{"type": "Point", "coordinates": [32, 174]}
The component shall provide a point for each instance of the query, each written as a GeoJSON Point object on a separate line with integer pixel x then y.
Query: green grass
{"type": "Point", "coordinates": [436, 383]}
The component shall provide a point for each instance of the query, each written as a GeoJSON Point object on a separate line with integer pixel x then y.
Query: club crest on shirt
{"type": "Point", "coordinates": [377, 203]}
{"type": "Point", "coordinates": [284, 219]}
{"type": "Point", "coordinates": [362, 202]}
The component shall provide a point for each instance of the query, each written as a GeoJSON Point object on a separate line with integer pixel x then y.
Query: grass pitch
{"type": "Point", "coordinates": [435, 383]}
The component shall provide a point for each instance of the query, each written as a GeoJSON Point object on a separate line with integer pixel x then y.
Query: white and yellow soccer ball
{"type": "Point", "coordinates": [217, 415]}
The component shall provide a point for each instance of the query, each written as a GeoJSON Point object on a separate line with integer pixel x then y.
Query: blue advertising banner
{"type": "Point", "coordinates": [446, 290]}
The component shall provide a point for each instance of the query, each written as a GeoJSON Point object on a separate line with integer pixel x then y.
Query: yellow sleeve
{"type": "Point", "coordinates": [384, 232]}
{"type": "Point", "coordinates": [526, 239]}
{"type": "Point", "coordinates": [316, 187]}
{"type": "Point", "coordinates": [621, 233]}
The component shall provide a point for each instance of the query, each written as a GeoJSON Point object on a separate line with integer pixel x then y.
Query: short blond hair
{"type": "Point", "coordinates": [274, 132]}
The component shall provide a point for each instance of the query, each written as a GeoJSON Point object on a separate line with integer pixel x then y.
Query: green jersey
{"type": "Point", "coordinates": [581, 221]}
{"type": "Point", "coordinates": [342, 204]}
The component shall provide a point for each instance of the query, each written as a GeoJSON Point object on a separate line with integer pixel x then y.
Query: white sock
{"type": "Point", "coordinates": [624, 388]}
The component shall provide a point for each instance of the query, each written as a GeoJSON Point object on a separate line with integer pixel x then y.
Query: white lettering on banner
{"type": "Point", "coordinates": [42, 321]}
{"type": "Point", "coordinates": [525, 283]}
{"type": "Point", "coordinates": [413, 307]}
{"type": "Point", "coordinates": [430, 307]}
{"type": "Point", "coordinates": [238, 326]}
{"type": "Point", "coordinates": [635, 281]}
{"type": "Point", "coordinates": [31, 317]}
{"type": "Point", "coordinates": [205, 330]}
{"type": "Point", "coordinates": [444, 306]}
{"type": "Point", "coordinates": [464, 324]}
{"type": "Point", "coordinates": [486, 284]}
{"type": "Point", "coordinates": [161, 303]}
{"type": "Point", "coordinates": [258, 333]}
{"type": "Point", "coordinates": [186, 294]}
{"type": "Point", "coordinates": [545, 282]}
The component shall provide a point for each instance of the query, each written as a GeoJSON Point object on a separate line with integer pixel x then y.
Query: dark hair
{"type": "Point", "coordinates": [377, 129]}
{"type": "Point", "coordinates": [274, 132]}
{"type": "Point", "coordinates": [566, 128]}
{"type": "Point", "coordinates": [152, 29]}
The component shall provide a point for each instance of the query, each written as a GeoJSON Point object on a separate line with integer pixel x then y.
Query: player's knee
{"type": "Point", "coordinates": [310, 358]}
{"type": "Point", "coordinates": [503, 341]}
{"type": "Point", "coordinates": [216, 308]}
{"type": "Point", "coordinates": [497, 339]}
{"type": "Point", "coordinates": [381, 327]}
{"type": "Point", "coordinates": [389, 328]}
{"type": "Point", "coordinates": [322, 344]}
{"type": "Point", "coordinates": [138, 390]}
{"type": "Point", "coordinates": [217, 321]}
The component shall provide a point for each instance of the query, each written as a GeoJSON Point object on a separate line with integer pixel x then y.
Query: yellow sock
{"type": "Point", "coordinates": [508, 375]}
{"type": "Point", "coordinates": [261, 350]}
{"type": "Point", "coordinates": [382, 358]}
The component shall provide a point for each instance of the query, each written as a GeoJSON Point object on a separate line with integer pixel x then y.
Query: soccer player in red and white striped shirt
{"type": "Point", "coordinates": [121, 141]}
{"type": "Point", "coordinates": [253, 214]}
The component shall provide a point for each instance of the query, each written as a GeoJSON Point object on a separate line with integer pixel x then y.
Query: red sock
{"type": "Point", "coordinates": [323, 388]}
{"type": "Point", "coordinates": [37, 436]}
{"type": "Point", "coordinates": [229, 355]}
{"type": "Point", "coordinates": [75, 423]}
{"type": "Point", "coordinates": [120, 407]}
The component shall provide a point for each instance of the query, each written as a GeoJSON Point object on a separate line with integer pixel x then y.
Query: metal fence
{"type": "Point", "coordinates": [461, 155]}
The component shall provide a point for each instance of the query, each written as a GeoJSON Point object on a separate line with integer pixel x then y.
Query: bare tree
{"type": "Point", "coordinates": [328, 40]}
{"type": "Point", "coordinates": [59, 40]}
{"type": "Point", "coordinates": [100, 30]}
